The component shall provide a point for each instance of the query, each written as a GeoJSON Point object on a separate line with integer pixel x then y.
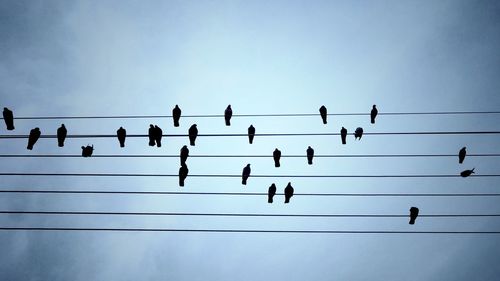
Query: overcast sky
{"type": "Point", "coordinates": [70, 58]}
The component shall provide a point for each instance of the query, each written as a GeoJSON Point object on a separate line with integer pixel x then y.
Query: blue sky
{"type": "Point", "coordinates": [143, 57]}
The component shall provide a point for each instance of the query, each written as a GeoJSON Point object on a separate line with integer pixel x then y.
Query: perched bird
{"type": "Point", "coordinates": [121, 134]}
{"type": "Point", "coordinates": [87, 150]}
{"type": "Point", "coordinates": [184, 154]}
{"type": "Point", "coordinates": [310, 155]}
{"type": "Point", "coordinates": [276, 157]}
{"type": "Point", "coordinates": [288, 192]}
{"type": "Point", "coordinates": [33, 137]}
{"type": "Point", "coordinates": [251, 133]}
{"type": "Point", "coordinates": [245, 174]}
{"type": "Point", "coordinates": [270, 193]}
{"type": "Point", "coordinates": [176, 114]}
{"type": "Point", "coordinates": [8, 117]}
{"type": "Point", "coordinates": [228, 113]}
{"type": "Point", "coordinates": [61, 135]}
{"type": "Point", "coordinates": [461, 155]}
{"type": "Point", "coordinates": [373, 113]}
{"type": "Point", "coordinates": [467, 173]}
{"type": "Point", "coordinates": [343, 135]}
{"type": "Point", "coordinates": [158, 133]}
{"type": "Point", "coordinates": [322, 112]}
{"type": "Point", "coordinates": [151, 134]}
{"type": "Point", "coordinates": [358, 133]}
{"type": "Point", "coordinates": [193, 133]}
{"type": "Point", "coordinates": [183, 173]}
{"type": "Point", "coordinates": [413, 214]}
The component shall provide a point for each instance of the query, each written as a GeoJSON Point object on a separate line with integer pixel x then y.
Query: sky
{"type": "Point", "coordinates": [74, 58]}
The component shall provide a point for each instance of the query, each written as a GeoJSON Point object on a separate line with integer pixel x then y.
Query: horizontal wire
{"type": "Point", "coordinates": [254, 115]}
{"type": "Point", "coordinates": [240, 214]}
{"type": "Point", "coordinates": [259, 135]}
{"type": "Point", "coordinates": [243, 156]}
{"type": "Point", "coordinates": [239, 176]}
{"type": "Point", "coordinates": [250, 193]}
{"type": "Point", "coordinates": [240, 230]}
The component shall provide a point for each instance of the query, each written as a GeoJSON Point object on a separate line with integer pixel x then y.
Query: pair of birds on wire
{"type": "Point", "coordinates": [324, 113]}
{"type": "Point", "coordinates": [461, 157]}
{"type": "Point", "coordinates": [272, 191]}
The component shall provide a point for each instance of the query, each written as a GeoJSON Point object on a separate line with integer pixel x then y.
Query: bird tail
{"type": "Point", "coordinates": [412, 221]}
{"type": "Point", "coordinates": [287, 200]}
{"type": "Point", "coordinates": [309, 161]}
{"type": "Point", "coordinates": [122, 144]}
{"type": "Point", "coordinates": [176, 123]}
{"type": "Point", "coordinates": [270, 199]}
{"type": "Point", "coordinates": [244, 181]}
{"type": "Point", "coordinates": [228, 123]}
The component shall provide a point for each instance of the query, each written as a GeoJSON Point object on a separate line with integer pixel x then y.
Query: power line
{"type": "Point", "coordinates": [253, 115]}
{"type": "Point", "coordinates": [241, 230]}
{"type": "Point", "coordinates": [88, 136]}
{"type": "Point", "coordinates": [239, 176]}
{"type": "Point", "coordinates": [250, 193]}
{"type": "Point", "coordinates": [241, 214]}
{"type": "Point", "coordinates": [243, 156]}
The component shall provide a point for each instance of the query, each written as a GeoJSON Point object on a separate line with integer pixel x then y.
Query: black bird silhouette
{"type": "Point", "coordinates": [461, 155]}
{"type": "Point", "coordinates": [8, 117]}
{"type": "Point", "coordinates": [467, 173]}
{"type": "Point", "coordinates": [245, 174]}
{"type": "Point", "coordinates": [87, 150]}
{"type": "Point", "coordinates": [183, 173]}
{"type": "Point", "coordinates": [373, 113]}
{"type": "Point", "coordinates": [413, 214]}
{"type": "Point", "coordinates": [358, 133]}
{"type": "Point", "coordinates": [184, 154]}
{"type": "Point", "coordinates": [288, 192]}
{"type": "Point", "coordinates": [228, 113]}
{"type": "Point", "coordinates": [176, 114]}
{"type": "Point", "coordinates": [61, 135]}
{"type": "Point", "coordinates": [151, 134]}
{"type": "Point", "coordinates": [322, 112]}
{"type": "Point", "coordinates": [343, 135]}
{"type": "Point", "coordinates": [158, 133]}
{"type": "Point", "coordinates": [121, 134]}
{"type": "Point", "coordinates": [276, 157]}
{"type": "Point", "coordinates": [310, 155]}
{"type": "Point", "coordinates": [193, 133]}
{"type": "Point", "coordinates": [251, 133]}
{"type": "Point", "coordinates": [270, 193]}
{"type": "Point", "coordinates": [33, 137]}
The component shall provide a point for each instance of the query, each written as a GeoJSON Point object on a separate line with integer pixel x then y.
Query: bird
{"type": "Point", "coordinates": [467, 173]}
{"type": "Point", "coordinates": [322, 112]}
{"type": "Point", "coordinates": [228, 113]}
{"type": "Point", "coordinates": [61, 135]}
{"type": "Point", "coordinates": [413, 214]}
{"type": "Point", "coordinates": [245, 174]}
{"type": "Point", "coordinates": [288, 192]}
{"type": "Point", "coordinates": [461, 155]}
{"type": "Point", "coordinates": [176, 114]}
{"type": "Point", "coordinates": [158, 133]}
{"type": "Point", "coordinates": [33, 137]}
{"type": "Point", "coordinates": [151, 134]}
{"type": "Point", "coordinates": [193, 133]}
{"type": "Point", "coordinates": [270, 193]}
{"type": "Point", "coordinates": [183, 173]}
{"type": "Point", "coordinates": [87, 150]}
{"type": "Point", "coordinates": [310, 155]}
{"type": "Point", "coordinates": [358, 133]}
{"type": "Point", "coordinates": [251, 133]}
{"type": "Point", "coordinates": [343, 135]}
{"type": "Point", "coordinates": [121, 134]}
{"type": "Point", "coordinates": [184, 154]}
{"type": "Point", "coordinates": [373, 113]}
{"type": "Point", "coordinates": [276, 157]}
{"type": "Point", "coordinates": [8, 117]}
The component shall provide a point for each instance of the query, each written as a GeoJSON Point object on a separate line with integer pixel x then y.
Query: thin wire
{"type": "Point", "coordinates": [241, 214]}
{"type": "Point", "coordinates": [241, 230]}
{"type": "Point", "coordinates": [251, 193]}
{"type": "Point", "coordinates": [243, 156]}
{"type": "Point", "coordinates": [238, 176]}
{"type": "Point", "coordinates": [254, 115]}
{"type": "Point", "coordinates": [88, 136]}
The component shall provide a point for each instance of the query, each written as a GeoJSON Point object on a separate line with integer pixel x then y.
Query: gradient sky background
{"type": "Point", "coordinates": [143, 57]}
